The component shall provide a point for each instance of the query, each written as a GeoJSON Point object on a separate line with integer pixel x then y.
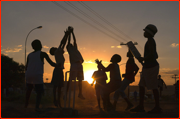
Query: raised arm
{"type": "Point", "coordinates": [102, 67]}
{"type": "Point", "coordinates": [74, 38]}
{"type": "Point", "coordinates": [63, 41]}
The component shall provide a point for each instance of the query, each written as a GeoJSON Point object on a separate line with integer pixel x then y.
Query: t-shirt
{"type": "Point", "coordinates": [59, 57]}
{"type": "Point", "coordinates": [151, 62]}
{"type": "Point", "coordinates": [74, 54]}
{"type": "Point", "coordinates": [35, 69]}
{"type": "Point", "coordinates": [100, 77]}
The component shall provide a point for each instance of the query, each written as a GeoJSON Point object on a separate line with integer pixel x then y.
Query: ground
{"type": "Point", "coordinates": [86, 108]}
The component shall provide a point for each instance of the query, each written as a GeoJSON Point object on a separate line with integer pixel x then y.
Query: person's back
{"type": "Point", "coordinates": [35, 68]}
{"type": "Point", "coordinates": [34, 72]}
{"type": "Point", "coordinates": [74, 54]}
{"type": "Point", "coordinates": [115, 72]}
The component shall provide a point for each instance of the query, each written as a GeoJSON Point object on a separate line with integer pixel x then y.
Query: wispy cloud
{"type": "Point", "coordinates": [10, 50]}
{"type": "Point", "coordinates": [116, 46]}
{"type": "Point", "coordinates": [45, 47]}
{"type": "Point", "coordinates": [173, 45]}
{"type": "Point", "coordinates": [170, 71]}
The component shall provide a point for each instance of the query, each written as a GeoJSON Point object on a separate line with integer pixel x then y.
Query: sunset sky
{"type": "Point", "coordinates": [99, 31]}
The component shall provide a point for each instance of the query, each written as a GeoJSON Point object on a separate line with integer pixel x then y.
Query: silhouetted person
{"type": "Point", "coordinates": [100, 77]}
{"type": "Point", "coordinates": [115, 79]}
{"type": "Point", "coordinates": [129, 77]}
{"type": "Point", "coordinates": [58, 74]}
{"type": "Point", "coordinates": [34, 72]}
{"type": "Point", "coordinates": [76, 60]}
{"type": "Point", "coordinates": [161, 83]}
{"type": "Point", "coordinates": [150, 71]}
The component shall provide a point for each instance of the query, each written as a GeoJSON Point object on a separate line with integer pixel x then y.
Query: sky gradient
{"type": "Point", "coordinates": [95, 38]}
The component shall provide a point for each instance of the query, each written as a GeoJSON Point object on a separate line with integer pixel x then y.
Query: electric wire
{"type": "Point", "coordinates": [92, 19]}
{"type": "Point", "coordinates": [103, 19]}
{"type": "Point", "coordinates": [84, 20]}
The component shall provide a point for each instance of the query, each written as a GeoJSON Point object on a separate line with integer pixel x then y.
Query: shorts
{"type": "Point", "coordinates": [39, 88]}
{"type": "Point", "coordinates": [76, 71]}
{"type": "Point", "coordinates": [149, 78]}
{"type": "Point", "coordinates": [58, 77]}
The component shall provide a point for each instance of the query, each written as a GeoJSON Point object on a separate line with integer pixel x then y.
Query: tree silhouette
{"type": "Point", "coordinates": [12, 73]}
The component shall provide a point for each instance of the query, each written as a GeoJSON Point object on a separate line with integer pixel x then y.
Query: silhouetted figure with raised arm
{"type": "Point", "coordinates": [58, 74]}
{"type": "Point", "coordinates": [161, 83]}
{"type": "Point", "coordinates": [76, 60]}
{"type": "Point", "coordinates": [100, 77]}
{"type": "Point", "coordinates": [115, 79]}
{"type": "Point", "coordinates": [129, 77]}
{"type": "Point", "coordinates": [34, 72]}
{"type": "Point", "coordinates": [150, 71]}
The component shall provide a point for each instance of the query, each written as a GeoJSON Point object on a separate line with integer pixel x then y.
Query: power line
{"type": "Point", "coordinates": [106, 21]}
{"type": "Point", "coordinates": [83, 20]}
{"type": "Point", "coordinates": [102, 18]}
{"type": "Point", "coordinates": [92, 19]}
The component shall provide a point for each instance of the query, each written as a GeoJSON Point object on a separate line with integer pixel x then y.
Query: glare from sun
{"type": "Point", "coordinates": [88, 76]}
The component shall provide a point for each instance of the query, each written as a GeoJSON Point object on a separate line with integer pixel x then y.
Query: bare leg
{"type": "Point", "coordinates": [54, 95]}
{"type": "Point", "coordinates": [28, 94]}
{"type": "Point", "coordinates": [156, 97]}
{"type": "Point", "coordinates": [59, 97]}
{"type": "Point", "coordinates": [80, 90]}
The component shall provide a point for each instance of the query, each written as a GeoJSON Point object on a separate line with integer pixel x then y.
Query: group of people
{"type": "Point", "coordinates": [150, 71]}
{"type": "Point", "coordinates": [34, 68]}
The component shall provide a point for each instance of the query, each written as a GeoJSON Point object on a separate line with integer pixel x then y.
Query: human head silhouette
{"type": "Point", "coordinates": [36, 44]}
{"type": "Point", "coordinates": [115, 58]}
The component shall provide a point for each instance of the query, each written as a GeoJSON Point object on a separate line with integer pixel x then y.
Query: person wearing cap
{"type": "Point", "coordinates": [129, 77]}
{"type": "Point", "coordinates": [150, 71]}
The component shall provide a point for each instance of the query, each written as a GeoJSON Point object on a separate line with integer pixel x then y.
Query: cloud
{"type": "Point", "coordinates": [10, 50]}
{"type": "Point", "coordinates": [170, 71]}
{"type": "Point", "coordinates": [173, 45]}
{"type": "Point", "coordinates": [116, 46]}
{"type": "Point", "coordinates": [45, 47]}
{"type": "Point", "coordinates": [89, 61]}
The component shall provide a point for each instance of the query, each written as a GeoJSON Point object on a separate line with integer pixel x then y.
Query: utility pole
{"type": "Point", "coordinates": [135, 43]}
{"type": "Point", "coordinates": [175, 76]}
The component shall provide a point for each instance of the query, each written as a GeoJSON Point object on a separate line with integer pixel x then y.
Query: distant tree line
{"type": "Point", "coordinates": [12, 73]}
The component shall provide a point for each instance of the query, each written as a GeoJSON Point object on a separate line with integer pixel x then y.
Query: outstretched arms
{"type": "Point", "coordinates": [63, 41]}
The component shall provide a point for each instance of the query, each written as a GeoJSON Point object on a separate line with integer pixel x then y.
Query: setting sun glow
{"type": "Point", "coordinates": [88, 76]}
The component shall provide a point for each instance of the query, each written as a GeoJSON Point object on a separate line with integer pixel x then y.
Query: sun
{"type": "Point", "coordinates": [88, 76]}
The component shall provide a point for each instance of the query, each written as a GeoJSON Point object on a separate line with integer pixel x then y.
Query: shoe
{"type": "Point", "coordinates": [155, 110]}
{"type": "Point", "coordinates": [129, 107]}
{"type": "Point", "coordinates": [138, 109]}
{"type": "Point", "coordinates": [81, 97]}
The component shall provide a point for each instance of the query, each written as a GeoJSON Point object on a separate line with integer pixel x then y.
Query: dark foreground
{"type": "Point", "coordinates": [87, 109]}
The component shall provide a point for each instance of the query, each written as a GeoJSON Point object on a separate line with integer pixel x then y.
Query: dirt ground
{"type": "Point", "coordinates": [86, 109]}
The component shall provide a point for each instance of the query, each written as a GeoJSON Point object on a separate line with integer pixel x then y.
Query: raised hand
{"type": "Point", "coordinates": [70, 28]}
{"type": "Point", "coordinates": [97, 61]}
